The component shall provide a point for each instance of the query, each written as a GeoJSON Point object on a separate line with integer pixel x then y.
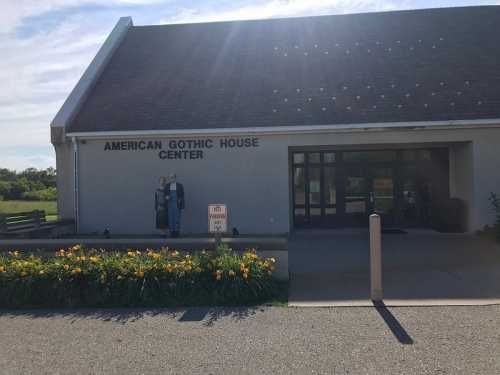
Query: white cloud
{"type": "Point", "coordinates": [14, 12]}
{"type": "Point", "coordinates": [37, 73]}
{"type": "Point", "coordinates": [284, 8]}
{"type": "Point", "coordinates": [41, 65]}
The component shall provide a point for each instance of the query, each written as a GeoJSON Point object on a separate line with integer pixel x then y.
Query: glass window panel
{"type": "Point", "coordinates": [356, 194]}
{"type": "Point", "coordinates": [329, 157]}
{"type": "Point", "coordinates": [409, 171]}
{"type": "Point", "coordinates": [409, 155]}
{"type": "Point", "coordinates": [314, 185]}
{"type": "Point", "coordinates": [330, 187]}
{"type": "Point", "coordinates": [300, 212]}
{"type": "Point", "coordinates": [357, 205]}
{"type": "Point", "coordinates": [298, 158]}
{"type": "Point", "coordinates": [409, 187]}
{"type": "Point", "coordinates": [424, 154]}
{"type": "Point", "coordinates": [383, 190]}
{"type": "Point", "coordinates": [381, 171]}
{"type": "Point", "coordinates": [370, 156]}
{"type": "Point", "coordinates": [314, 157]}
{"type": "Point", "coordinates": [299, 185]}
{"type": "Point", "coordinates": [354, 156]}
{"type": "Point", "coordinates": [330, 211]}
{"type": "Point", "coordinates": [356, 185]}
{"type": "Point", "coordinates": [315, 211]}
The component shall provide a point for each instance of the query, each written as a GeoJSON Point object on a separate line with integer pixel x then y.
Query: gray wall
{"type": "Point", "coordinates": [117, 187]}
{"type": "Point", "coordinates": [65, 180]}
{"type": "Point", "coordinates": [486, 162]}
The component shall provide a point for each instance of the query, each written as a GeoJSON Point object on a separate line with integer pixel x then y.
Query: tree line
{"type": "Point", "coordinates": [30, 184]}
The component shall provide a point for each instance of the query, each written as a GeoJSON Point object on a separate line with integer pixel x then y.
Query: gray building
{"type": "Point", "coordinates": [298, 122]}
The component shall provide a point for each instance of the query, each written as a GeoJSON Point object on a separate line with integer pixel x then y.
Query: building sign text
{"type": "Point", "coordinates": [182, 148]}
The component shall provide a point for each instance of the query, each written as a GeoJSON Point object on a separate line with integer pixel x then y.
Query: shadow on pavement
{"type": "Point", "coordinates": [396, 328]}
{"type": "Point", "coordinates": [207, 315]}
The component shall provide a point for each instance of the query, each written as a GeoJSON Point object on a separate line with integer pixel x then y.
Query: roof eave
{"type": "Point", "coordinates": [83, 88]}
{"type": "Point", "coordinates": [304, 129]}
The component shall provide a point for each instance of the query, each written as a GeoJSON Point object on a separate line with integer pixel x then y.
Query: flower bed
{"type": "Point", "coordinates": [79, 277]}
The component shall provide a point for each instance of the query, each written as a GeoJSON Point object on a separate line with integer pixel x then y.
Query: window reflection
{"type": "Point", "coordinates": [314, 185]}
{"type": "Point", "coordinates": [409, 155]}
{"type": "Point", "coordinates": [330, 187]}
{"type": "Point", "coordinates": [299, 185]}
{"type": "Point", "coordinates": [298, 158]}
{"type": "Point", "coordinates": [356, 194]}
{"type": "Point", "coordinates": [330, 211]}
{"type": "Point", "coordinates": [383, 190]}
{"type": "Point", "coordinates": [314, 157]}
{"type": "Point", "coordinates": [329, 157]}
{"type": "Point", "coordinates": [367, 180]}
{"type": "Point", "coordinates": [370, 156]}
{"type": "Point", "coordinates": [424, 155]}
{"type": "Point", "coordinates": [315, 211]}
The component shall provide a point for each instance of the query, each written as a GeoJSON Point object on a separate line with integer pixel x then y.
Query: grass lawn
{"type": "Point", "coordinates": [50, 207]}
{"type": "Point", "coordinates": [281, 300]}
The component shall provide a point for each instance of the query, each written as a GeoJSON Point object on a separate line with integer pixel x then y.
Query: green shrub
{"type": "Point", "coordinates": [495, 202]}
{"type": "Point", "coordinates": [4, 189]}
{"type": "Point", "coordinates": [48, 194]}
{"type": "Point", "coordinates": [95, 278]}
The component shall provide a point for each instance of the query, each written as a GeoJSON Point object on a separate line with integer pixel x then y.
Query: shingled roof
{"type": "Point", "coordinates": [422, 65]}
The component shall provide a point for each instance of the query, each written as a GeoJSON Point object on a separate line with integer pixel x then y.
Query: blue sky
{"type": "Point", "coordinates": [45, 45]}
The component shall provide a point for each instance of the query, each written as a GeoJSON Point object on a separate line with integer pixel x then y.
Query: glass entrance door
{"type": "Point", "coordinates": [342, 188]}
{"type": "Point", "coordinates": [314, 188]}
{"type": "Point", "coordinates": [382, 193]}
{"type": "Point", "coordinates": [369, 189]}
{"type": "Point", "coordinates": [356, 196]}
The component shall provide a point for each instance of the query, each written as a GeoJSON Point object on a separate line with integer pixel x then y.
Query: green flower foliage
{"type": "Point", "coordinates": [78, 277]}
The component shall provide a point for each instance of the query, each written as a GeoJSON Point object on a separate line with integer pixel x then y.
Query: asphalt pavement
{"type": "Point", "coordinates": [263, 340]}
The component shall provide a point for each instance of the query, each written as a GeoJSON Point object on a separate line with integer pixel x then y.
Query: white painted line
{"type": "Point", "coordinates": [399, 303]}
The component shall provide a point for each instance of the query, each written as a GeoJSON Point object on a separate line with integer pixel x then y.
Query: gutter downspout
{"type": "Point", "coordinates": [75, 182]}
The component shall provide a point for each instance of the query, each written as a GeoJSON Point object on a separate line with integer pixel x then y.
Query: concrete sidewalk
{"type": "Point", "coordinates": [331, 268]}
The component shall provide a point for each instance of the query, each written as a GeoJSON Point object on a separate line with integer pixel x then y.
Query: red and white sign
{"type": "Point", "coordinates": [217, 218]}
{"type": "Point", "coordinates": [383, 183]}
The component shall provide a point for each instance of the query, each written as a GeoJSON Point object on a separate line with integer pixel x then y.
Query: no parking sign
{"type": "Point", "coordinates": [217, 218]}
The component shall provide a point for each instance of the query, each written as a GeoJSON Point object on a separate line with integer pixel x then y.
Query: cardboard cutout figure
{"type": "Point", "coordinates": [174, 193]}
{"type": "Point", "coordinates": [161, 206]}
